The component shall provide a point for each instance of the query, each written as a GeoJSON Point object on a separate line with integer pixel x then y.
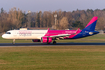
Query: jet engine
{"type": "Point", "coordinates": [91, 33]}
{"type": "Point", "coordinates": [46, 40]}
{"type": "Point", "coordinates": [36, 40]}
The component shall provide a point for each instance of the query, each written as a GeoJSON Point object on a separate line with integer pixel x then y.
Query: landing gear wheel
{"type": "Point", "coordinates": [48, 43]}
{"type": "Point", "coordinates": [54, 42]}
{"type": "Point", "coordinates": [13, 41]}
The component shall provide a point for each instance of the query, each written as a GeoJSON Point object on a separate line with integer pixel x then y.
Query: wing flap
{"type": "Point", "coordinates": [61, 35]}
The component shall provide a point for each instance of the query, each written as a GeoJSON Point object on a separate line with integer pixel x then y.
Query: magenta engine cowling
{"type": "Point", "coordinates": [36, 40]}
{"type": "Point", "coordinates": [46, 40]}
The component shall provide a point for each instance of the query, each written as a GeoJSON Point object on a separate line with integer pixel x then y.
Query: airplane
{"type": "Point", "coordinates": [47, 36]}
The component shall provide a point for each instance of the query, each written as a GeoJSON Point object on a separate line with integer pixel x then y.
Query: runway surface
{"type": "Point", "coordinates": [42, 44]}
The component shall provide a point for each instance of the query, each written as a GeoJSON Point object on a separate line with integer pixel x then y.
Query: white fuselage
{"type": "Point", "coordinates": [24, 34]}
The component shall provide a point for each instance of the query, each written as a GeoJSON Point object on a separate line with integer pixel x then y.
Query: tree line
{"type": "Point", "coordinates": [16, 18]}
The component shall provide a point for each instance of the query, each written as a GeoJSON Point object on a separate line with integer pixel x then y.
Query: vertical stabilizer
{"type": "Point", "coordinates": [91, 25]}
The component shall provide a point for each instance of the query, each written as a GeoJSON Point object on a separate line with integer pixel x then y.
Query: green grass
{"type": "Point", "coordinates": [95, 38]}
{"type": "Point", "coordinates": [53, 58]}
{"type": "Point", "coordinates": [17, 41]}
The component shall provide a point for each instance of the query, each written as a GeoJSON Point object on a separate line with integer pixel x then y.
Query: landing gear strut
{"type": "Point", "coordinates": [13, 41]}
{"type": "Point", "coordinates": [54, 42]}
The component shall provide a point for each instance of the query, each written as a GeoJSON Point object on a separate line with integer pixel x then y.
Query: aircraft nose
{"type": "Point", "coordinates": [3, 36]}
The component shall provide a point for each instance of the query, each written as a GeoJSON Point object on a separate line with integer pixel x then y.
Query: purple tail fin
{"type": "Point", "coordinates": [91, 25]}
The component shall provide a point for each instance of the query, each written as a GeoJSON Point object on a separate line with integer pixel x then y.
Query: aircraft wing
{"type": "Point", "coordinates": [61, 35]}
{"type": "Point", "coordinates": [64, 35]}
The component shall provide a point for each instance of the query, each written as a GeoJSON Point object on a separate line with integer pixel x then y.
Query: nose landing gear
{"type": "Point", "coordinates": [13, 41]}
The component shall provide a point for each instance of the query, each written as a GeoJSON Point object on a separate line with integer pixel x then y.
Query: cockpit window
{"type": "Point", "coordinates": [8, 33]}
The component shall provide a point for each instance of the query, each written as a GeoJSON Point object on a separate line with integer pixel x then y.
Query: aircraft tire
{"type": "Point", "coordinates": [54, 42]}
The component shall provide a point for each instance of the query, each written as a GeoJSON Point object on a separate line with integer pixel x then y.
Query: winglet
{"type": "Point", "coordinates": [77, 30]}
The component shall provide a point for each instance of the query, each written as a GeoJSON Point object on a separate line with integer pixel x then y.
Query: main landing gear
{"type": "Point", "coordinates": [54, 42]}
{"type": "Point", "coordinates": [13, 41]}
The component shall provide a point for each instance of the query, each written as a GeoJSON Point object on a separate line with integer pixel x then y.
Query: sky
{"type": "Point", "coordinates": [52, 5]}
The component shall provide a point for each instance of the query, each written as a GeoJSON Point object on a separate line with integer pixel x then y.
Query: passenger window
{"type": "Point", "coordinates": [8, 33]}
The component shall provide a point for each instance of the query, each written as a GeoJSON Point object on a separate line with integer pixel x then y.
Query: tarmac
{"type": "Point", "coordinates": [44, 44]}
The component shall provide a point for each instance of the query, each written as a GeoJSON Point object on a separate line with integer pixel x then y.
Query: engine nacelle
{"type": "Point", "coordinates": [46, 40]}
{"type": "Point", "coordinates": [36, 40]}
{"type": "Point", "coordinates": [91, 33]}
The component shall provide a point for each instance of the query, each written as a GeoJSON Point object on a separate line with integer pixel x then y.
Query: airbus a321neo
{"type": "Point", "coordinates": [47, 36]}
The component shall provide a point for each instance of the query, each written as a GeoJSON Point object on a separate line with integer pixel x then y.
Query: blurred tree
{"type": "Point", "coordinates": [2, 10]}
{"type": "Point", "coordinates": [63, 23]}
{"type": "Point", "coordinates": [24, 20]}
{"type": "Point", "coordinates": [40, 18]}
{"type": "Point", "coordinates": [78, 24]}
{"type": "Point", "coordinates": [33, 19]}
{"type": "Point", "coordinates": [29, 19]}
{"type": "Point", "coordinates": [16, 17]}
{"type": "Point", "coordinates": [101, 23]}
